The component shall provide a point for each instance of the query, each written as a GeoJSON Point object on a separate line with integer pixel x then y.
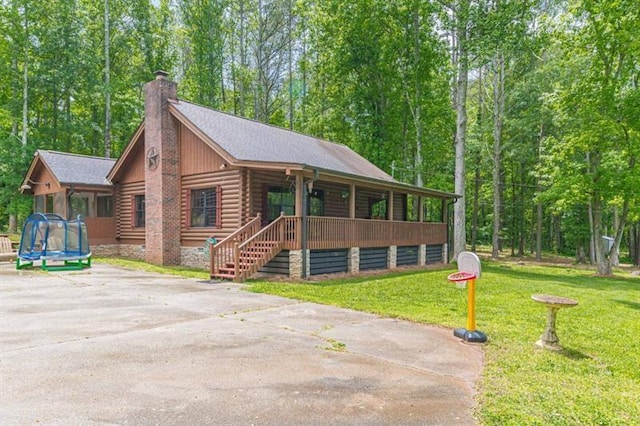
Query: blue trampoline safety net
{"type": "Point", "coordinates": [47, 235]}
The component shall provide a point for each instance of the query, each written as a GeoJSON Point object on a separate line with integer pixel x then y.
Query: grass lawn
{"type": "Point", "coordinates": [595, 380]}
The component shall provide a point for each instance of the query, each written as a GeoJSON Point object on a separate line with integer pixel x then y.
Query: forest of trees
{"type": "Point", "coordinates": [529, 108]}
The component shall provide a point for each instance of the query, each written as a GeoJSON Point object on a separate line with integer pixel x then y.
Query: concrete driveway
{"type": "Point", "coordinates": [114, 346]}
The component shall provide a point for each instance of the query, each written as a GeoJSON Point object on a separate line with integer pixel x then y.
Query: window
{"type": "Point", "coordinates": [279, 200]}
{"type": "Point", "coordinates": [39, 203]}
{"type": "Point", "coordinates": [79, 206]}
{"type": "Point", "coordinates": [204, 207]}
{"type": "Point", "coordinates": [43, 203]}
{"type": "Point", "coordinates": [138, 211]}
{"type": "Point", "coordinates": [105, 206]}
{"type": "Point", "coordinates": [49, 208]}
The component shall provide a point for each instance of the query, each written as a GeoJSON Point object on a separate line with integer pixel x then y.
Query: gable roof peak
{"type": "Point", "coordinates": [77, 168]}
{"type": "Point", "coordinates": [248, 140]}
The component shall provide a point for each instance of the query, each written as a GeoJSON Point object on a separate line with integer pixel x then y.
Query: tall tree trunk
{"type": "Point", "coordinates": [25, 79]}
{"type": "Point", "coordinates": [615, 258]}
{"type": "Point", "coordinates": [107, 83]}
{"type": "Point", "coordinates": [592, 244]}
{"type": "Point", "coordinates": [461, 58]}
{"type": "Point", "coordinates": [498, 116]}
{"type": "Point", "coordinates": [290, 59]}
{"type": "Point", "coordinates": [417, 100]}
{"type": "Point", "coordinates": [303, 110]}
{"type": "Point", "coordinates": [522, 234]}
{"type": "Point", "coordinates": [477, 179]}
{"type": "Point", "coordinates": [603, 261]}
{"type": "Point", "coordinates": [634, 244]}
{"type": "Point", "coordinates": [476, 198]}
{"type": "Point", "coordinates": [243, 60]}
{"type": "Point", "coordinates": [539, 218]}
{"type": "Point", "coordinates": [539, 207]}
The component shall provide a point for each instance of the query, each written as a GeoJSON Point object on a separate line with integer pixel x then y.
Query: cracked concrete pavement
{"type": "Point", "coordinates": [113, 346]}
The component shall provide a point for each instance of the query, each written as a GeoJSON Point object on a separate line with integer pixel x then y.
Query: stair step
{"type": "Point", "coordinates": [231, 266]}
{"type": "Point", "coordinates": [223, 276]}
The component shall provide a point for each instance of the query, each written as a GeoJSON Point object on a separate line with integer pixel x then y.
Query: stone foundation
{"type": "Point", "coordinates": [106, 250]}
{"type": "Point", "coordinates": [195, 257]}
{"type": "Point", "coordinates": [132, 251]}
{"type": "Point", "coordinates": [198, 257]}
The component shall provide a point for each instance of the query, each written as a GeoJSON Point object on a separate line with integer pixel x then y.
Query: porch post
{"type": "Point", "coordinates": [420, 208]}
{"type": "Point", "coordinates": [300, 190]}
{"type": "Point", "coordinates": [352, 201]}
{"type": "Point", "coordinates": [390, 206]}
{"type": "Point", "coordinates": [445, 220]}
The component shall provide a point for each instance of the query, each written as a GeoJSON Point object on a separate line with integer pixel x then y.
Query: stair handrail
{"type": "Point", "coordinates": [274, 229]}
{"type": "Point", "coordinates": [224, 250]}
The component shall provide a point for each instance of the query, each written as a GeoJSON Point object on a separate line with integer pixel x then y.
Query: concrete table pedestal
{"type": "Point", "coordinates": [549, 339]}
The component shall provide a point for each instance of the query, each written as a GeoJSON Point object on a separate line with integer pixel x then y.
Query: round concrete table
{"type": "Point", "coordinates": [549, 339]}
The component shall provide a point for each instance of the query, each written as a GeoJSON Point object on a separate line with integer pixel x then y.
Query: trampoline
{"type": "Point", "coordinates": [48, 237]}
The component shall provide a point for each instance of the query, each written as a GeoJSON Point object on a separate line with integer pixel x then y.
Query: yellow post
{"type": "Point", "coordinates": [471, 310]}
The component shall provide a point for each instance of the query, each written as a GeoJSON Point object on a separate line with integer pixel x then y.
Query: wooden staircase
{"type": "Point", "coordinates": [252, 258]}
{"type": "Point", "coordinates": [242, 253]}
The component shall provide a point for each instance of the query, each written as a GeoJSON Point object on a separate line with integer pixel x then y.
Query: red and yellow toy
{"type": "Point", "coordinates": [469, 271]}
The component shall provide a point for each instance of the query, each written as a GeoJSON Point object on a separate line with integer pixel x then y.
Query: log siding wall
{"type": "Point", "coordinates": [230, 182]}
{"type": "Point", "coordinates": [125, 231]}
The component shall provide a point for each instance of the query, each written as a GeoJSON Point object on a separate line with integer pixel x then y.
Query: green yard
{"type": "Point", "coordinates": [595, 380]}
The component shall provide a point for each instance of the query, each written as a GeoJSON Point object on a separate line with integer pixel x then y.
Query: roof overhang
{"type": "Point", "coordinates": [382, 184]}
{"type": "Point", "coordinates": [118, 165]}
{"type": "Point", "coordinates": [37, 158]}
{"type": "Point", "coordinates": [289, 168]}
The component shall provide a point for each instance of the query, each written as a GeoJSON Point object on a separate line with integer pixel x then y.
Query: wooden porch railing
{"type": "Point", "coordinates": [242, 253]}
{"type": "Point", "coordinates": [336, 232]}
{"type": "Point", "coordinates": [223, 253]}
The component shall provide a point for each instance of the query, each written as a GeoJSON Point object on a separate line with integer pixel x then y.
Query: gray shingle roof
{"type": "Point", "coordinates": [248, 140]}
{"type": "Point", "coordinates": [74, 168]}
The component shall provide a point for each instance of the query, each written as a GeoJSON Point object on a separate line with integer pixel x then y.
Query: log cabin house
{"type": "Point", "coordinates": [274, 200]}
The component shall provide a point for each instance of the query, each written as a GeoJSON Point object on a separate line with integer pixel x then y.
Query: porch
{"type": "Point", "coordinates": [334, 244]}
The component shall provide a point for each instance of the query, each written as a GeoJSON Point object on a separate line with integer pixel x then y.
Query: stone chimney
{"type": "Point", "coordinates": [162, 173]}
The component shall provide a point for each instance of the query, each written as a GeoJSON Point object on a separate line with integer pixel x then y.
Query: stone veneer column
{"type": "Point", "coordinates": [162, 173]}
{"type": "Point", "coordinates": [295, 263]}
{"type": "Point", "coordinates": [353, 261]}
{"type": "Point", "coordinates": [392, 257]}
{"type": "Point", "coordinates": [422, 255]}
